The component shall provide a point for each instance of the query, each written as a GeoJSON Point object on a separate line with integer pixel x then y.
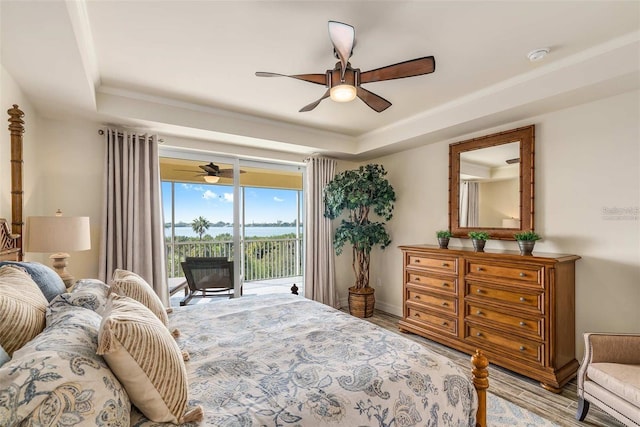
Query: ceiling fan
{"type": "Point", "coordinates": [343, 82]}
{"type": "Point", "coordinates": [212, 172]}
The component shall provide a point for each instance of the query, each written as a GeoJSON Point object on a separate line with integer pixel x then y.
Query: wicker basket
{"type": "Point", "coordinates": [361, 302]}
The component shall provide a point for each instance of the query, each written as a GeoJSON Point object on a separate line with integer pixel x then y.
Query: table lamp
{"type": "Point", "coordinates": [58, 234]}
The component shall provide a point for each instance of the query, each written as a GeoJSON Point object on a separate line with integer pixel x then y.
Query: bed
{"type": "Point", "coordinates": [274, 360]}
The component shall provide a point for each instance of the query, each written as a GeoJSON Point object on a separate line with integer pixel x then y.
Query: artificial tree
{"type": "Point", "coordinates": [361, 192]}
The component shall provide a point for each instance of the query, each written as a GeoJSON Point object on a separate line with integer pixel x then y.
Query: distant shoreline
{"type": "Point", "coordinates": [255, 231]}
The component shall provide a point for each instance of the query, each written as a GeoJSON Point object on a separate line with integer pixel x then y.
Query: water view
{"type": "Point", "coordinates": [216, 231]}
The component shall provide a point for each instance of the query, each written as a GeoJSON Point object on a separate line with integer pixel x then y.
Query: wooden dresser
{"type": "Point", "coordinates": [520, 310]}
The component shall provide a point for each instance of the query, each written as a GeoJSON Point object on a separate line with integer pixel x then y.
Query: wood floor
{"type": "Point", "coordinates": [524, 392]}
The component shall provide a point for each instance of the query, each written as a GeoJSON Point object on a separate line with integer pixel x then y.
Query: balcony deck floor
{"type": "Point", "coordinates": [255, 287]}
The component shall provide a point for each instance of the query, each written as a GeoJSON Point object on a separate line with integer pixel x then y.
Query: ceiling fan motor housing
{"type": "Point", "coordinates": [351, 76]}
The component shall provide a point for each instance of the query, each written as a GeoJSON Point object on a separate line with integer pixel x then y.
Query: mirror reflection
{"type": "Point", "coordinates": [491, 180]}
{"type": "Point", "coordinates": [490, 187]}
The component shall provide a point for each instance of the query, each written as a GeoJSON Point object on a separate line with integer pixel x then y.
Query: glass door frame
{"type": "Point", "coordinates": [238, 208]}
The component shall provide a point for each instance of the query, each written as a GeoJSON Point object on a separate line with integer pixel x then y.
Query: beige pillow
{"type": "Point", "coordinates": [133, 286]}
{"type": "Point", "coordinates": [23, 308]}
{"type": "Point", "coordinates": [146, 359]}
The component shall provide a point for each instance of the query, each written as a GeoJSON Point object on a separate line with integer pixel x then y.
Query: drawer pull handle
{"type": "Point", "coordinates": [417, 279]}
{"type": "Point", "coordinates": [479, 313]}
{"type": "Point", "coordinates": [523, 274]}
{"type": "Point", "coordinates": [445, 324]}
{"type": "Point", "coordinates": [417, 261]}
{"type": "Point", "coordinates": [444, 264]}
{"type": "Point", "coordinates": [445, 284]}
{"type": "Point", "coordinates": [523, 324]}
{"type": "Point", "coordinates": [416, 315]}
{"type": "Point", "coordinates": [444, 304]}
{"type": "Point", "coordinates": [479, 268]}
{"type": "Point", "coordinates": [416, 297]}
{"type": "Point", "coordinates": [479, 291]}
{"type": "Point", "coordinates": [522, 348]}
{"type": "Point", "coordinates": [478, 334]}
{"type": "Point", "coordinates": [522, 299]}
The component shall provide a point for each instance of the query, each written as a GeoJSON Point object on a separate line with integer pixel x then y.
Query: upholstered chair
{"type": "Point", "coordinates": [609, 376]}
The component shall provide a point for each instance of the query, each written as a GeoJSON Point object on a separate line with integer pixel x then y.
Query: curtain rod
{"type": "Point", "coordinates": [101, 132]}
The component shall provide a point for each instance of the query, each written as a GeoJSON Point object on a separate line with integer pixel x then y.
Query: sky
{"type": "Point", "coordinates": [215, 203]}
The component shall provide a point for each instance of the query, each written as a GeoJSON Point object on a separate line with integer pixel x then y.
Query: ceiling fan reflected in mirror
{"type": "Point", "coordinates": [343, 82]}
{"type": "Point", "coordinates": [212, 172]}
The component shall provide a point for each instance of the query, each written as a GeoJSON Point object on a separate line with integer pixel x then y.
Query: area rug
{"type": "Point", "coordinates": [501, 412]}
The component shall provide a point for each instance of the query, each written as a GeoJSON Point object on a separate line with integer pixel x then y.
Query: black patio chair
{"type": "Point", "coordinates": [211, 276]}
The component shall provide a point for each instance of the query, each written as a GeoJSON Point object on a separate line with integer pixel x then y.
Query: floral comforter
{"type": "Point", "coordinates": [282, 360]}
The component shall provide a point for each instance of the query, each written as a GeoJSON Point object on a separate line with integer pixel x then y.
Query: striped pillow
{"type": "Point", "coordinates": [23, 308]}
{"type": "Point", "coordinates": [133, 286]}
{"type": "Point", "coordinates": [146, 359]}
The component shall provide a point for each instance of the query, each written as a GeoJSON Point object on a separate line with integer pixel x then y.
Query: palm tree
{"type": "Point", "coordinates": [200, 226]}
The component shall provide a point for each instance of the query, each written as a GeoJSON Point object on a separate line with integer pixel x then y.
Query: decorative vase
{"type": "Point", "coordinates": [443, 242]}
{"type": "Point", "coordinates": [361, 302]}
{"type": "Point", "coordinates": [526, 246]}
{"type": "Point", "coordinates": [478, 245]}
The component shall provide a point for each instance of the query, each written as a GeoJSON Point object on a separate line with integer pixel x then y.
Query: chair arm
{"type": "Point", "coordinates": [609, 348]}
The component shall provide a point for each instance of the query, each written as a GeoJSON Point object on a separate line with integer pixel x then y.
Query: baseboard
{"type": "Point", "coordinates": [380, 305]}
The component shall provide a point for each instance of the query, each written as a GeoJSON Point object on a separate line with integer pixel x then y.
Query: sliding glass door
{"type": "Point", "coordinates": [213, 205]}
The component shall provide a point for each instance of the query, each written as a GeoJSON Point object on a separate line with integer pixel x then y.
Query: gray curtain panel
{"type": "Point", "coordinates": [319, 283]}
{"type": "Point", "coordinates": [132, 221]}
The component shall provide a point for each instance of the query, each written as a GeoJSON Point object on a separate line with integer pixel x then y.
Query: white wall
{"type": "Point", "coordinates": [587, 159]}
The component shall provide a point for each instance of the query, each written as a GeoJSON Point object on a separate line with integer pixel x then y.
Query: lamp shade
{"type": "Point", "coordinates": [57, 234]}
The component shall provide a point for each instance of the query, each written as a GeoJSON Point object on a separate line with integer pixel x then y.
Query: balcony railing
{"type": "Point", "coordinates": [262, 258]}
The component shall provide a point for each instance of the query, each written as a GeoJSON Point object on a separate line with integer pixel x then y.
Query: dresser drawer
{"type": "Point", "coordinates": [520, 325]}
{"type": "Point", "coordinates": [443, 264]}
{"type": "Point", "coordinates": [515, 346]}
{"type": "Point", "coordinates": [525, 273]}
{"type": "Point", "coordinates": [442, 323]}
{"type": "Point", "coordinates": [513, 297]}
{"type": "Point", "coordinates": [444, 284]}
{"type": "Point", "coordinates": [442, 303]}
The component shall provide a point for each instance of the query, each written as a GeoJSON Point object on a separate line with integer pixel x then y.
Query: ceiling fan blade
{"type": "Point", "coordinates": [374, 101]}
{"type": "Point", "coordinates": [228, 173]}
{"type": "Point", "coordinates": [413, 67]}
{"type": "Point", "coordinates": [314, 104]}
{"type": "Point", "coordinates": [343, 37]}
{"type": "Point", "coordinates": [320, 79]}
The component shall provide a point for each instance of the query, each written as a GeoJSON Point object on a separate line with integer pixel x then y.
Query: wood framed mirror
{"type": "Point", "coordinates": [491, 184]}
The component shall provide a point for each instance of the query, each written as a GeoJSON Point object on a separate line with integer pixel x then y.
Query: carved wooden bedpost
{"type": "Point", "coordinates": [16, 126]}
{"type": "Point", "coordinates": [481, 383]}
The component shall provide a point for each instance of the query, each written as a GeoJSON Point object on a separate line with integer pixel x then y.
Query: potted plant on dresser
{"type": "Point", "coordinates": [478, 238]}
{"type": "Point", "coordinates": [360, 192]}
{"type": "Point", "coordinates": [443, 238]}
{"type": "Point", "coordinates": [526, 241]}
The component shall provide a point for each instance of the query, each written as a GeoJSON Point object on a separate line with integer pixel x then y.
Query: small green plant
{"type": "Point", "coordinates": [479, 235]}
{"type": "Point", "coordinates": [527, 236]}
{"type": "Point", "coordinates": [441, 234]}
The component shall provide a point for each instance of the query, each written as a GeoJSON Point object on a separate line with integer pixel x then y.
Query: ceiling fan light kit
{"type": "Point", "coordinates": [211, 179]}
{"type": "Point", "coordinates": [343, 82]}
{"type": "Point", "coordinates": [343, 93]}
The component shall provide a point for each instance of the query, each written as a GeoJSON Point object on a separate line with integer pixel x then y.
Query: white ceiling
{"type": "Point", "coordinates": [186, 68]}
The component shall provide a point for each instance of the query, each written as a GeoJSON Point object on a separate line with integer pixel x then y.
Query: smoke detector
{"type": "Point", "coordinates": [538, 54]}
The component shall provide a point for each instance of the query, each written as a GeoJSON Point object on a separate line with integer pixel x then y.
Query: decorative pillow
{"type": "Point", "coordinates": [4, 357]}
{"type": "Point", "coordinates": [45, 277]}
{"type": "Point", "coordinates": [88, 293]}
{"type": "Point", "coordinates": [58, 379]}
{"type": "Point", "coordinates": [22, 306]}
{"type": "Point", "coordinates": [133, 286]}
{"type": "Point", "coordinates": [144, 356]}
